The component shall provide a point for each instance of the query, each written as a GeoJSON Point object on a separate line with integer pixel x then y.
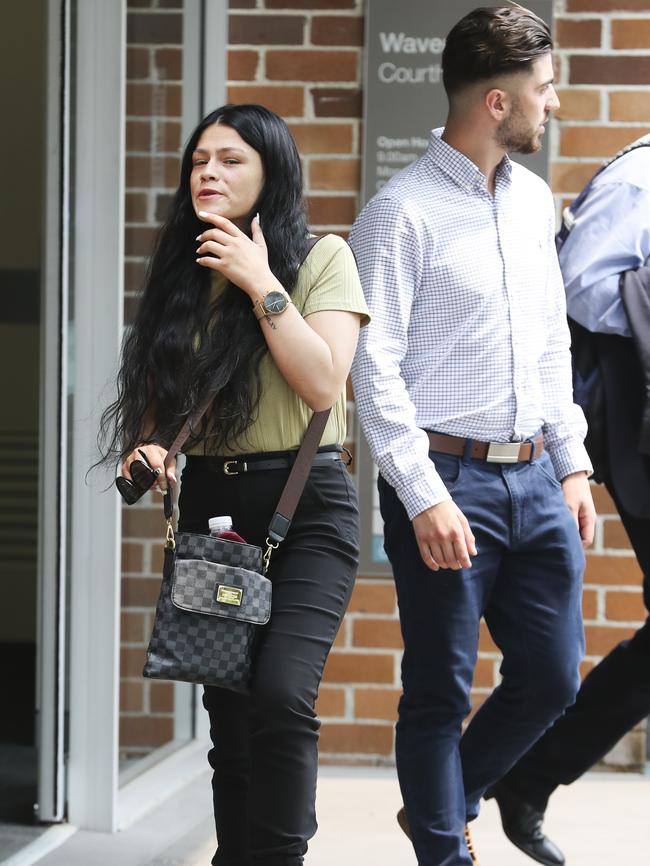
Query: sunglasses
{"type": "Point", "coordinates": [143, 478]}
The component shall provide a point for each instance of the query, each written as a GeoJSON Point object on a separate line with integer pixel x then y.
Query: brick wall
{"type": "Point", "coordinates": [302, 58]}
{"type": "Point", "coordinates": [153, 141]}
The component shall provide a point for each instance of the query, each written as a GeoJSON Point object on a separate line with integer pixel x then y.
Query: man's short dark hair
{"type": "Point", "coordinates": [493, 41]}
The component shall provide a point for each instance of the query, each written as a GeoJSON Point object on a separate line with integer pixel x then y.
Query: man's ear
{"type": "Point", "coordinates": [498, 103]}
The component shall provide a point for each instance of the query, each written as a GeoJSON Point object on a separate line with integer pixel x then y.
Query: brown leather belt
{"type": "Point", "coordinates": [492, 452]}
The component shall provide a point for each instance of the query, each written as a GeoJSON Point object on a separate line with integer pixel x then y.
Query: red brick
{"type": "Point", "coordinates": [615, 69]}
{"type": "Point", "coordinates": [589, 604]}
{"type": "Point", "coordinates": [135, 207]}
{"type": "Point", "coordinates": [139, 241]}
{"type": "Point", "coordinates": [309, 65]}
{"type": "Point", "coordinates": [330, 702]}
{"type": "Point", "coordinates": [484, 674]}
{"type": "Point", "coordinates": [132, 628]}
{"type": "Point", "coordinates": [338, 210]}
{"type": "Point", "coordinates": [131, 661]}
{"type": "Point", "coordinates": [607, 5]}
{"type": "Point", "coordinates": [161, 697]}
{"type": "Point", "coordinates": [335, 174]}
{"type": "Point", "coordinates": [140, 591]}
{"type": "Point", "coordinates": [146, 730]}
{"type": "Point", "coordinates": [343, 634]}
{"type": "Point", "coordinates": [602, 500]}
{"type": "Point", "coordinates": [138, 135]}
{"type": "Point", "coordinates": [148, 171]}
{"type": "Point", "coordinates": [336, 30]}
{"type": "Point", "coordinates": [373, 597]}
{"type": "Point", "coordinates": [143, 523]}
{"type": "Point", "coordinates": [161, 100]}
{"type": "Point", "coordinates": [625, 606]}
{"type": "Point", "coordinates": [157, 557]}
{"type": "Point", "coordinates": [132, 557]}
{"type": "Point", "coordinates": [242, 65]}
{"type": "Point", "coordinates": [596, 140]}
{"type": "Point", "coordinates": [242, 4]}
{"type": "Point", "coordinates": [585, 667]}
{"type": "Point", "coordinates": [167, 137]}
{"type": "Point", "coordinates": [601, 638]}
{"type": "Point", "coordinates": [629, 105]}
{"type": "Point", "coordinates": [168, 63]}
{"type": "Point", "coordinates": [381, 633]}
{"type": "Point", "coordinates": [323, 137]}
{"type": "Point", "coordinates": [485, 642]}
{"type": "Point", "coordinates": [147, 29]}
{"type": "Point", "coordinates": [266, 29]}
{"type": "Point", "coordinates": [133, 276]}
{"type": "Point", "coordinates": [342, 667]}
{"type": "Point", "coordinates": [614, 534]}
{"type": "Point", "coordinates": [285, 101]}
{"type": "Point", "coordinates": [632, 33]}
{"type": "Point", "coordinates": [612, 570]}
{"type": "Point", "coordinates": [337, 102]}
{"type": "Point", "coordinates": [310, 4]}
{"type": "Point", "coordinates": [376, 703]}
{"type": "Point", "coordinates": [355, 738]}
{"type": "Point", "coordinates": [578, 104]}
{"type": "Point", "coordinates": [584, 33]}
{"type": "Point", "coordinates": [570, 176]}
{"type": "Point", "coordinates": [138, 63]}
{"type": "Point", "coordinates": [131, 697]}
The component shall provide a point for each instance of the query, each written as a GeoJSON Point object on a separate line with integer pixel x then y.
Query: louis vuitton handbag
{"type": "Point", "coordinates": [215, 595]}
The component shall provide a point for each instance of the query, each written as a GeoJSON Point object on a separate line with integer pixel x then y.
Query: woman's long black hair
{"type": "Point", "coordinates": [179, 347]}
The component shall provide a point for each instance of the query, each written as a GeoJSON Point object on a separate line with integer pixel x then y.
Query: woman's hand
{"type": "Point", "coordinates": [156, 457]}
{"type": "Point", "coordinates": [242, 260]}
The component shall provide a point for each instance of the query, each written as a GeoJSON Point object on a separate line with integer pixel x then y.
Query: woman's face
{"type": "Point", "coordinates": [227, 175]}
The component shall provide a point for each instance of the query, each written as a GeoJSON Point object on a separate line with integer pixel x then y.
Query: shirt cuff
{"type": "Point", "coordinates": [424, 493]}
{"type": "Point", "coordinates": [570, 457]}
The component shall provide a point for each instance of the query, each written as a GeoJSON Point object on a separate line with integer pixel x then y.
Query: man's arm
{"type": "Point", "coordinates": [611, 235]}
{"type": "Point", "coordinates": [390, 261]}
{"type": "Point", "coordinates": [565, 426]}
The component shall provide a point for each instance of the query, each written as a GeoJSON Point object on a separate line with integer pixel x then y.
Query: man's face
{"type": "Point", "coordinates": [532, 98]}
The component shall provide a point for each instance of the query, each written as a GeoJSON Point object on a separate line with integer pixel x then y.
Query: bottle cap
{"type": "Point", "coordinates": [220, 524]}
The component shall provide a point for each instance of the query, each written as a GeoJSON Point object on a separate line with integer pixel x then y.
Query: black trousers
{"type": "Point", "coordinates": [264, 753]}
{"type": "Point", "coordinates": [613, 698]}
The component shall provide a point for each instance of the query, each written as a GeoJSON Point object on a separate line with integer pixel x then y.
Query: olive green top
{"type": "Point", "coordinates": [327, 280]}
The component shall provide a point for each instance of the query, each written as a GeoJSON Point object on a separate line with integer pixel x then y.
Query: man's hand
{"type": "Point", "coordinates": [577, 494]}
{"type": "Point", "coordinates": [444, 537]}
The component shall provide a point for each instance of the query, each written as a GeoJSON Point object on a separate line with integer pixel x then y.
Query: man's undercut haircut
{"type": "Point", "coordinates": [493, 41]}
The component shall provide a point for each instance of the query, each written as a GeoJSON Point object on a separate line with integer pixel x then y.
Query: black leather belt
{"type": "Point", "coordinates": [237, 466]}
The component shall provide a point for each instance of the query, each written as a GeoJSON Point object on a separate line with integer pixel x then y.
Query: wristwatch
{"type": "Point", "coordinates": [272, 304]}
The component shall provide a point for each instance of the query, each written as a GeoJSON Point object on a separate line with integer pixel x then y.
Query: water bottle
{"type": "Point", "coordinates": [221, 527]}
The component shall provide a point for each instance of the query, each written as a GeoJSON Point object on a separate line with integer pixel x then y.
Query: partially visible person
{"type": "Point", "coordinates": [605, 244]}
{"type": "Point", "coordinates": [463, 387]}
{"type": "Point", "coordinates": [235, 303]}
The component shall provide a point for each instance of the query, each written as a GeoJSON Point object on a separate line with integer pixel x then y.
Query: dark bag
{"type": "Point", "coordinates": [214, 594]}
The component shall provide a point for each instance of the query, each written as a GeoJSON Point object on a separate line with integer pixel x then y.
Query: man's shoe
{"type": "Point", "coordinates": [402, 820]}
{"type": "Point", "coordinates": [522, 824]}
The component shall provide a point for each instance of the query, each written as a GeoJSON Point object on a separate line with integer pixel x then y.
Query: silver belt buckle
{"type": "Point", "coordinates": [503, 452]}
{"type": "Point", "coordinates": [228, 471]}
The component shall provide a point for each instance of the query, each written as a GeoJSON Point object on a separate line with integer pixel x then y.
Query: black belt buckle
{"type": "Point", "coordinates": [240, 466]}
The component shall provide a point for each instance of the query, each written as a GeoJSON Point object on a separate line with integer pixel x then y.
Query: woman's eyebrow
{"type": "Point", "coordinates": [219, 150]}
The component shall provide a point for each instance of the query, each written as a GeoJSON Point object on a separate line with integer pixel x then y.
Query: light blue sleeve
{"type": "Point", "coordinates": [611, 235]}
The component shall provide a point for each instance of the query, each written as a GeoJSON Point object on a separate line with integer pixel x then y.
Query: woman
{"type": "Point", "coordinates": [230, 304]}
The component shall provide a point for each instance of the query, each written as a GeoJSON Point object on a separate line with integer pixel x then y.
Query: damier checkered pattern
{"type": "Point", "coordinates": [468, 333]}
{"type": "Point", "coordinates": [212, 644]}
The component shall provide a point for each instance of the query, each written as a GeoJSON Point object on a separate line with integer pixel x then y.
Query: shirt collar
{"type": "Point", "coordinates": [459, 167]}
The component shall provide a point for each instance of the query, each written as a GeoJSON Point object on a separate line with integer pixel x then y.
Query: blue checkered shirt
{"type": "Point", "coordinates": [468, 334]}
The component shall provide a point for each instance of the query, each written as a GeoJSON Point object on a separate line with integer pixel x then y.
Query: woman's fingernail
{"type": "Point", "coordinates": [174, 479]}
{"type": "Point", "coordinates": [203, 213]}
{"type": "Point", "coordinates": [198, 238]}
{"type": "Point", "coordinates": [257, 216]}
{"type": "Point", "coordinates": [198, 250]}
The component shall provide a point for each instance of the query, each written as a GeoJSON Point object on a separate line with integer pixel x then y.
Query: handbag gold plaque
{"type": "Point", "coordinates": [229, 595]}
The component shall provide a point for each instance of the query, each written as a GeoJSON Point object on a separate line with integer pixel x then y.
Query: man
{"type": "Point", "coordinates": [463, 386]}
{"type": "Point", "coordinates": [605, 245]}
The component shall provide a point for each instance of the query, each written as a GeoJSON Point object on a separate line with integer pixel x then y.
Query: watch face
{"type": "Point", "coordinates": [275, 302]}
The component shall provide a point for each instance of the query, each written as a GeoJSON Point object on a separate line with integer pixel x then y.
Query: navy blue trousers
{"type": "Point", "coordinates": [526, 581]}
{"type": "Point", "coordinates": [613, 698]}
